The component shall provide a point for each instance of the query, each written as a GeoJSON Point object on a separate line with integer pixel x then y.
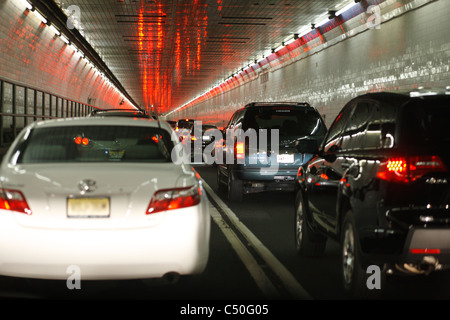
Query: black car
{"type": "Point", "coordinates": [379, 184]}
{"type": "Point", "coordinates": [172, 123]}
{"type": "Point", "coordinates": [265, 144]}
{"type": "Point", "coordinates": [200, 136]}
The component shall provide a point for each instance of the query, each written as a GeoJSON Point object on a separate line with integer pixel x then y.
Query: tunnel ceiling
{"type": "Point", "coordinates": [167, 52]}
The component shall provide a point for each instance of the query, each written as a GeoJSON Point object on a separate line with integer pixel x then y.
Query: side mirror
{"type": "Point", "coordinates": [330, 155]}
{"type": "Point", "coordinates": [307, 145]}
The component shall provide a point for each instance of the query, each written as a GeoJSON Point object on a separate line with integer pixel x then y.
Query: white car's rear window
{"type": "Point", "coordinates": [95, 144]}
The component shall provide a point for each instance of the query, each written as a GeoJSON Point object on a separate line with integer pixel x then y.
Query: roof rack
{"type": "Point", "coordinates": [262, 104]}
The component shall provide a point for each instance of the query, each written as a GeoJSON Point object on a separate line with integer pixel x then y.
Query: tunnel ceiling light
{"type": "Point", "coordinates": [303, 31]}
{"type": "Point", "coordinates": [40, 16]}
{"type": "Point", "coordinates": [63, 37]}
{"type": "Point", "coordinates": [322, 21]}
{"type": "Point", "coordinates": [26, 4]}
{"type": "Point", "coordinates": [345, 8]}
{"type": "Point", "coordinates": [280, 47]}
{"type": "Point", "coordinates": [56, 31]}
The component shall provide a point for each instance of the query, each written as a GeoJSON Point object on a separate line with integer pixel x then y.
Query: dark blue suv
{"type": "Point", "coordinates": [265, 144]}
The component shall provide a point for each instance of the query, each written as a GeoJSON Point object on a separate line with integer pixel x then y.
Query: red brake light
{"type": "Point", "coordinates": [170, 199]}
{"type": "Point", "coordinates": [85, 141]}
{"type": "Point", "coordinates": [239, 150]}
{"type": "Point", "coordinates": [409, 169]}
{"type": "Point", "coordinates": [426, 251]}
{"type": "Point", "coordinates": [78, 140]}
{"type": "Point", "coordinates": [13, 200]}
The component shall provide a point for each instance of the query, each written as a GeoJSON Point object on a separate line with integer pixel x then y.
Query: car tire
{"type": "Point", "coordinates": [220, 185]}
{"type": "Point", "coordinates": [307, 242]}
{"type": "Point", "coordinates": [235, 188]}
{"type": "Point", "coordinates": [354, 275]}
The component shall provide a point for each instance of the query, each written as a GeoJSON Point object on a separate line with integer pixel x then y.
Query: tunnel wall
{"type": "Point", "coordinates": [410, 49]}
{"type": "Point", "coordinates": [32, 55]}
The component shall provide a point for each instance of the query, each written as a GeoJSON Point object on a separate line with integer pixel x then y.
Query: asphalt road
{"type": "Point", "coordinates": [270, 216]}
{"type": "Point", "coordinates": [252, 258]}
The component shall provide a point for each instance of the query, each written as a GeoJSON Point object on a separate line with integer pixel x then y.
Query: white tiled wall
{"type": "Point", "coordinates": [409, 50]}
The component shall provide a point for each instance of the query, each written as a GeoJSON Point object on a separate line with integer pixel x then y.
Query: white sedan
{"type": "Point", "coordinates": [107, 196]}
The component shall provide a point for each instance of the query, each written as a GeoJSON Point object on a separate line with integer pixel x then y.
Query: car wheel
{"type": "Point", "coordinates": [307, 242]}
{"type": "Point", "coordinates": [234, 188]}
{"type": "Point", "coordinates": [354, 276]}
{"type": "Point", "coordinates": [220, 184]}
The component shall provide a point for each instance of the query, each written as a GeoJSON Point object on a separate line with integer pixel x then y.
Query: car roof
{"type": "Point", "coordinates": [277, 104]}
{"type": "Point", "coordinates": [402, 96]}
{"type": "Point", "coordinates": [120, 112]}
{"type": "Point", "coordinates": [89, 121]}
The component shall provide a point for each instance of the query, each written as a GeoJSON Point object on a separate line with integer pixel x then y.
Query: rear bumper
{"type": "Point", "coordinates": [269, 174]}
{"type": "Point", "coordinates": [394, 246]}
{"type": "Point", "coordinates": [179, 244]}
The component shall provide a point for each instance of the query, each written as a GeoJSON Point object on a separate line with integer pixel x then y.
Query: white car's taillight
{"type": "Point", "coordinates": [170, 199]}
{"type": "Point", "coordinates": [13, 200]}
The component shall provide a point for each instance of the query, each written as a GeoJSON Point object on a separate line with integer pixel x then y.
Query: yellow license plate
{"type": "Point", "coordinates": [88, 207]}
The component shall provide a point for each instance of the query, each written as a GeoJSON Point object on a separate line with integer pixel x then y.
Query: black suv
{"type": "Point", "coordinates": [265, 144]}
{"type": "Point", "coordinates": [379, 184]}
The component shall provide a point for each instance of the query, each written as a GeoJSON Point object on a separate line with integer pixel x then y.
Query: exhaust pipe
{"type": "Point", "coordinates": [427, 265]}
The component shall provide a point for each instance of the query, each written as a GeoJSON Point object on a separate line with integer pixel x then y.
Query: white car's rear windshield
{"type": "Point", "coordinates": [94, 144]}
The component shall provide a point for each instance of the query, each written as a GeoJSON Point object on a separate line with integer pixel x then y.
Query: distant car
{"type": "Point", "coordinates": [133, 113]}
{"type": "Point", "coordinates": [184, 125]}
{"type": "Point", "coordinates": [104, 195]}
{"type": "Point", "coordinates": [379, 184]}
{"type": "Point", "coordinates": [205, 136]}
{"type": "Point", "coordinates": [172, 123]}
{"type": "Point", "coordinates": [270, 165]}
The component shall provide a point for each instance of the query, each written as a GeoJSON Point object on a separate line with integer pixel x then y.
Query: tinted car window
{"type": "Point", "coordinates": [354, 133]}
{"type": "Point", "coordinates": [372, 138]}
{"type": "Point", "coordinates": [289, 121]}
{"type": "Point", "coordinates": [337, 127]}
{"type": "Point", "coordinates": [425, 122]}
{"type": "Point", "coordinates": [185, 124]}
{"type": "Point", "coordinates": [95, 144]}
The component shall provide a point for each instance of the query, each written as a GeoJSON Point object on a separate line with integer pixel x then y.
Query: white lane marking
{"type": "Point", "coordinates": [258, 275]}
{"type": "Point", "coordinates": [288, 280]}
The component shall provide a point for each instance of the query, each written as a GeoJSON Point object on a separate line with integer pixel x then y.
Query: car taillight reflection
{"type": "Point", "coordinates": [408, 169]}
{"type": "Point", "coordinates": [170, 199]}
{"type": "Point", "coordinates": [80, 140]}
{"type": "Point", "coordinates": [13, 200]}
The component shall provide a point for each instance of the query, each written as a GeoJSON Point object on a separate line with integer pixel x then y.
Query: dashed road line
{"type": "Point", "coordinates": [289, 282]}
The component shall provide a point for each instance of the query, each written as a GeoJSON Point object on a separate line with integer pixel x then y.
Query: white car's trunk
{"type": "Point", "coordinates": [119, 193]}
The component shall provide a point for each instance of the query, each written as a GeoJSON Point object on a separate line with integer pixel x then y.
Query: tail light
{"type": "Point", "coordinates": [239, 150]}
{"type": "Point", "coordinates": [13, 200]}
{"type": "Point", "coordinates": [425, 251]}
{"type": "Point", "coordinates": [170, 199]}
{"type": "Point", "coordinates": [408, 169]}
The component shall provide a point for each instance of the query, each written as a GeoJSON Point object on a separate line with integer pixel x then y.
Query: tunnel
{"type": "Point", "coordinates": [352, 188]}
{"type": "Point", "coordinates": [205, 59]}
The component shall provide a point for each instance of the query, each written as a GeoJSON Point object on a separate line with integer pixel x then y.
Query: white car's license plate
{"type": "Point", "coordinates": [285, 158]}
{"type": "Point", "coordinates": [88, 207]}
